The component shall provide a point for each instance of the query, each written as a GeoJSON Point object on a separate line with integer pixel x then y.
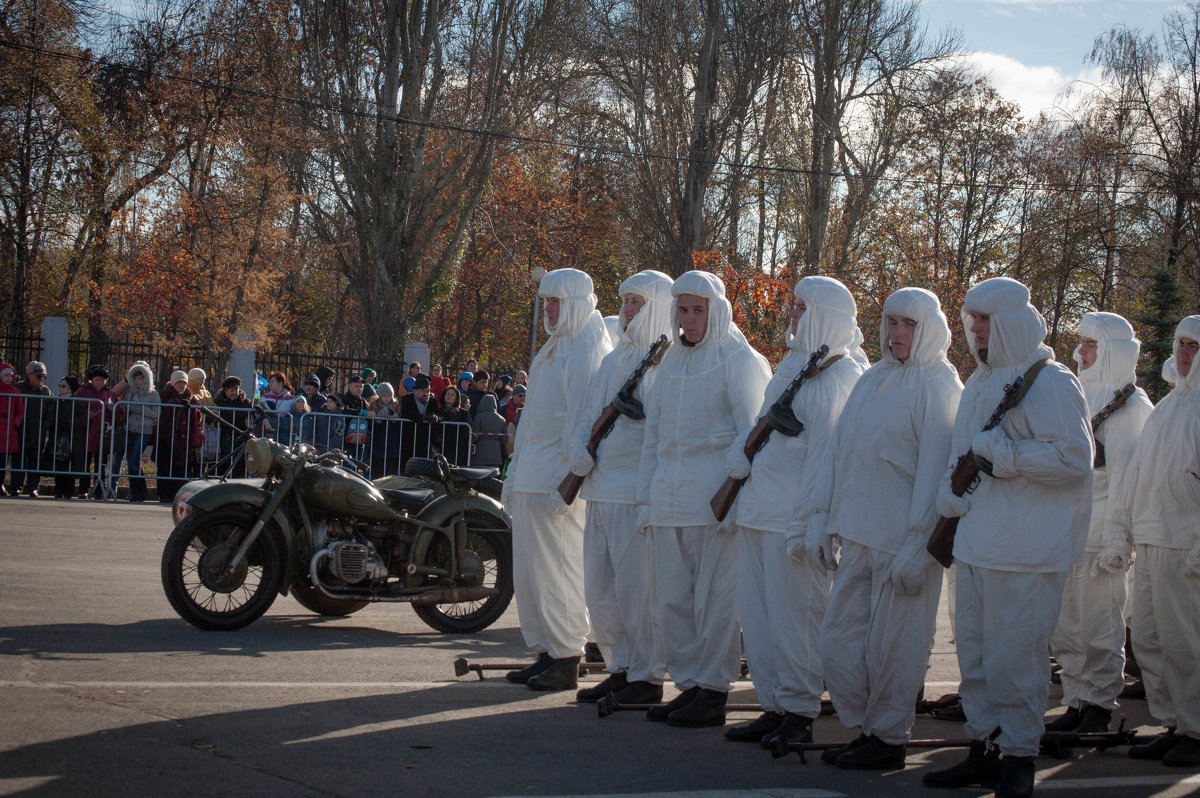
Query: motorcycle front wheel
{"type": "Point", "coordinates": [494, 549]}
{"type": "Point", "coordinates": [198, 582]}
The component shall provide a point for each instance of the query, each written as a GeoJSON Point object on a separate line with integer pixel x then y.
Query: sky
{"type": "Point", "coordinates": [1032, 49]}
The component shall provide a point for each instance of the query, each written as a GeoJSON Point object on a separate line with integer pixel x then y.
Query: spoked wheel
{"type": "Point", "coordinates": [198, 579]}
{"type": "Point", "coordinates": [489, 551]}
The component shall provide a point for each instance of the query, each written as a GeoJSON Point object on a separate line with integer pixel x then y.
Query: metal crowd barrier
{"type": "Point", "coordinates": [127, 447]}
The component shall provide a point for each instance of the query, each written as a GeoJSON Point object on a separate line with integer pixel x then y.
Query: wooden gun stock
{"type": "Point", "coordinates": [941, 542]}
{"type": "Point", "coordinates": [723, 499]}
{"type": "Point", "coordinates": [572, 482]}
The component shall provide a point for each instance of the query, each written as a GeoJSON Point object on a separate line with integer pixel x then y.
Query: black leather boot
{"type": "Point", "coordinates": [1156, 748]}
{"type": "Point", "coordinates": [660, 713]}
{"type": "Point", "coordinates": [522, 676]}
{"type": "Point", "coordinates": [794, 729]}
{"type": "Point", "coordinates": [1186, 753]}
{"type": "Point", "coordinates": [755, 730]}
{"type": "Point", "coordinates": [982, 766]}
{"type": "Point", "coordinates": [563, 674]}
{"type": "Point", "coordinates": [830, 755]}
{"type": "Point", "coordinates": [614, 683]}
{"type": "Point", "coordinates": [706, 709]}
{"type": "Point", "coordinates": [1016, 777]}
{"type": "Point", "coordinates": [640, 693]}
{"type": "Point", "coordinates": [1093, 719]}
{"type": "Point", "coordinates": [874, 754]}
{"type": "Point", "coordinates": [1064, 722]}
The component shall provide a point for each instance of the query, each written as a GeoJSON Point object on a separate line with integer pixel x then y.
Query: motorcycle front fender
{"type": "Point", "coordinates": [226, 493]}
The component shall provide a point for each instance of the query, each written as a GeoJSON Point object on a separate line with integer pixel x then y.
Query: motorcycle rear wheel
{"type": "Point", "coordinates": [196, 581]}
{"type": "Point", "coordinates": [494, 549]}
{"type": "Point", "coordinates": [314, 600]}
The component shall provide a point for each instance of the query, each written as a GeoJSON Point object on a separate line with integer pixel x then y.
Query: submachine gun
{"type": "Point", "coordinates": [1114, 404]}
{"type": "Point", "coordinates": [778, 418]}
{"type": "Point", "coordinates": [625, 404]}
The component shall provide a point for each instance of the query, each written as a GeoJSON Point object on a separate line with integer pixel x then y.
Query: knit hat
{"type": "Point", "coordinates": [6, 368]}
{"type": "Point", "coordinates": [178, 376]}
{"type": "Point", "coordinates": [518, 389]}
{"type": "Point", "coordinates": [368, 374]}
{"type": "Point", "coordinates": [333, 397]}
{"type": "Point", "coordinates": [409, 383]}
{"type": "Point", "coordinates": [466, 375]}
{"type": "Point", "coordinates": [230, 382]}
{"type": "Point", "coordinates": [506, 380]}
{"type": "Point", "coordinates": [385, 389]}
{"type": "Point", "coordinates": [197, 375]}
{"type": "Point", "coordinates": [313, 379]}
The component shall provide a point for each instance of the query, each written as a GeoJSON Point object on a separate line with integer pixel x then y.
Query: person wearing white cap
{"type": "Point", "coordinates": [1089, 641]}
{"type": "Point", "coordinates": [1158, 507]}
{"type": "Point", "coordinates": [616, 557]}
{"type": "Point", "coordinates": [548, 533]}
{"type": "Point", "coordinates": [1019, 532]}
{"type": "Point", "coordinates": [707, 392]}
{"type": "Point", "coordinates": [781, 600]}
{"type": "Point", "coordinates": [892, 440]}
{"type": "Point", "coordinates": [200, 393]}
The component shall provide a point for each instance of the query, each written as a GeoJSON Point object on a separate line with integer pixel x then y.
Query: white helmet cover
{"type": "Point", "coordinates": [1017, 329]}
{"type": "Point", "coordinates": [574, 291]}
{"type": "Point", "coordinates": [830, 317]}
{"type": "Point", "coordinates": [656, 316]}
{"type": "Point", "coordinates": [931, 338]}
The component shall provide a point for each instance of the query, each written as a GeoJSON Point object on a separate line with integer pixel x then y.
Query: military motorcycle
{"type": "Point", "coordinates": [317, 529]}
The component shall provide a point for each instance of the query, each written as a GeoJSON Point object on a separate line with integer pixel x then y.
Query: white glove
{"type": "Point", "coordinates": [997, 448]}
{"type": "Point", "coordinates": [794, 544]}
{"type": "Point", "coordinates": [643, 518]}
{"type": "Point", "coordinates": [506, 493]}
{"type": "Point", "coordinates": [949, 505]}
{"type": "Point", "coordinates": [580, 462]}
{"type": "Point", "coordinates": [1115, 557]}
{"type": "Point", "coordinates": [737, 464]}
{"type": "Point", "coordinates": [1192, 564]}
{"type": "Point", "coordinates": [820, 547]}
{"type": "Point", "coordinates": [555, 506]}
{"type": "Point", "coordinates": [908, 567]}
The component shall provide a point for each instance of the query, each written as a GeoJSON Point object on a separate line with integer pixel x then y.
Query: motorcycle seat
{"type": "Point", "coordinates": [409, 497]}
{"type": "Point", "coordinates": [473, 474]}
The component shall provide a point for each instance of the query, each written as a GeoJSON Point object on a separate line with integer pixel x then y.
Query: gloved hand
{"type": "Point", "coordinates": [1192, 564]}
{"type": "Point", "coordinates": [820, 547]}
{"type": "Point", "coordinates": [555, 506]}
{"type": "Point", "coordinates": [580, 462]}
{"type": "Point", "coordinates": [737, 465]}
{"type": "Point", "coordinates": [908, 567]}
{"type": "Point", "coordinates": [506, 493]}
{"type": "Point", "coordinates": [1114, 557]}
{"type": "Point", "coordinates": [949, 505]}
{"type": "Point", "coordinates": [643, 518]}
{"type": "Point", "coordinates": [996, 447]}
{"type": "Point", "coordinates": [794, 544]}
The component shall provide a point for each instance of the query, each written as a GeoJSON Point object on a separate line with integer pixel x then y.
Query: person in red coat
{"type": "Point", "coordinates": [99, 413]}
{"type": "Point", "coordinates": [180, 436]}
{"type": "Point", "coordinates": [12, 413]}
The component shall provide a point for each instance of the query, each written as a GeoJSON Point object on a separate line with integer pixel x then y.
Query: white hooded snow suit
{"type": "Point", "coordinates": [781, 599]}
{"type": "Point", "coordinates": [547, 534]}
{"type": "Point", "coordinates": [1089, 641]}
{"type": "Point", "coordinates": [877, 492]}
{"type": "Point", "coordinates": [1161, 503]}
{"type": "Point", "coordinates": [618, 571]}
{"type": "Point", "coordinates": [705, 395]}
{"type": "Point", "coordinates": [1022, 527]}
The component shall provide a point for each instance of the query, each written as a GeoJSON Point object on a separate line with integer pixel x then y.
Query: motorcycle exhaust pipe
{"type": "Point", "coordinates": [451, 595]}
{"type": "Point", "coordinates": [445, 595]}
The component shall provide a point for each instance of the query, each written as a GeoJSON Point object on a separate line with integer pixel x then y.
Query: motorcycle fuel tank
{"type": "Point", "coordinates": [339, 491]}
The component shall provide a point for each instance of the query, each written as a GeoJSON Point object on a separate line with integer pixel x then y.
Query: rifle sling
{"type": "Point", "coordinates": [1030, 376]}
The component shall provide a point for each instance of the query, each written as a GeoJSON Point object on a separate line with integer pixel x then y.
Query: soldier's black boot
{"type": "Point", "coordinates": [1093, 719]}
{"type": "Point", "coordinates": [830, 755]}
{"type": "Point", "coordinates": [660, 713]}
{"type": "Point", "coordinates": [563, 674]}
{"type": "Point", "coordinates": [614, 683]}
{"type": "Point", "coordinates": [640, 693]}
{"type": "Point", "coordinates": [794, 729]}
{"type": "Point", "coordinates": [982, 766]}
{"type": "Point", "coordinates": [1156, 748]}
{"type": "Point", "coordinates": [874, 754]}
{"type": "Point", "coordinates": [522, 676]}
{"type": "Point", "coordinates": [1016, 777]}
{"type": "Point", "coordinates": [1185, 754]}
{"type": "Point", "coordinates": [755, 730]}
{"type": "Point", "coordinates": [1064, 722]}
{"type": "Point", "coordinates": [706, 709]}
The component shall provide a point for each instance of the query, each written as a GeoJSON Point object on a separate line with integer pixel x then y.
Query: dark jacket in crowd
{"type": "Point", "coordinates": [180, 427]}
{"type": "Point", "coordinates": [454, 442]}
{"type": "Point", "coordinates": [416, 438]}
{"type": "Point", "coordinates": [37, 411]}
{"type": "Point", "coordinates": [491, 432]}
{"type": "Point", "coordinates": [237, 412]}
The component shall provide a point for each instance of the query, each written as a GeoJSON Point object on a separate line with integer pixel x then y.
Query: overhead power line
{"type": "Point", "coordinates": [558, 143]}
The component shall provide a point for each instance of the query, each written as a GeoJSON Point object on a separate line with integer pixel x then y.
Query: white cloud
{"type": "Point", "coordinates": [1033, 88]}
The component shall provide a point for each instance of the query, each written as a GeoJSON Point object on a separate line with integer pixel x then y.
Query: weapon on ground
{"type": "Point", "coordinates": [462, 667]}
{"type": "Point", "coordinates": [609, 704]}
{"type": "Point", "coordinates": [625, 404]}
{"type": "Point", "coordinates": [778, 418]}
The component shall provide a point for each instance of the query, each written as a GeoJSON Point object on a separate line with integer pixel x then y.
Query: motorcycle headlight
{"type": "Point", "coordinates": [258, 457]}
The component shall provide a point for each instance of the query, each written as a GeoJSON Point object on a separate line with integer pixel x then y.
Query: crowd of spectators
{"type": "Point", "coordinates": [164, 433]}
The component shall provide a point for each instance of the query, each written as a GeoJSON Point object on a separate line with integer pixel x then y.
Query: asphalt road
{"type": "Point", "coordinates": [104, 691]}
